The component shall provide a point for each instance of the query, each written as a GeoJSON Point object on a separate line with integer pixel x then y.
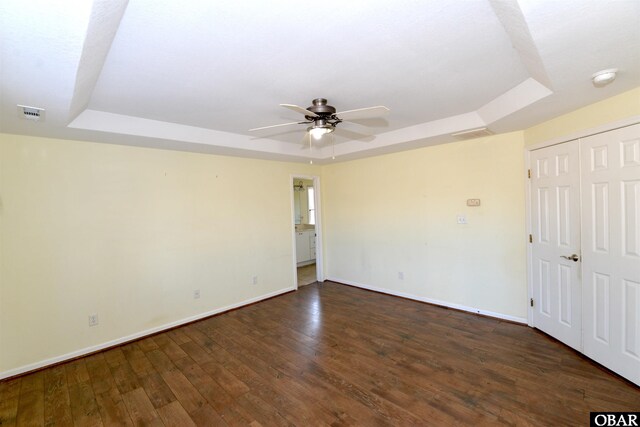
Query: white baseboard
{"type": "Point", "coordinates": [102, 346]}
{"type": "Point", "coordinates": [431, 301]}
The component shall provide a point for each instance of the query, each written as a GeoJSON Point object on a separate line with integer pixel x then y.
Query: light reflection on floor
{"type": "Point", "coordinates": [314, 310]}
{"type": "Point", "coordinates": [306, 275]}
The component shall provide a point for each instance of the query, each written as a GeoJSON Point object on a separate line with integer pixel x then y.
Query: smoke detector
{"type": "Point", "coordinates": [604, 77]}
{"type": "Point", "coordinates": [34, 114]}
{"type": "Point", "coordinates": [473, 133]}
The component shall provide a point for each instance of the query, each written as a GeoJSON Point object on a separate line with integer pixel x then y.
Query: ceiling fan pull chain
{"type": "Point", "coordinates": [333, 147]}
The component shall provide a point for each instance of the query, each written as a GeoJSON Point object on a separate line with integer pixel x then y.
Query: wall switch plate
{"type": "Point", "coordinates": [196, 294]}
{"type": "Point", "coordinates": [473, 202]}
{"type": "Point", "coordinates": [93, 319]}
{"type": "Point", "coordinates": [401, 275]}
{"type": "Point", "coordinates": [255, 280]}
{"type": "Point", "coordinates": [461, 219]}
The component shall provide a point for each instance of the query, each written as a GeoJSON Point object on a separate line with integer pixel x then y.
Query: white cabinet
{"type": "Point", "coordinates": [305, 246]}
{"type": "Point", "coordinates": [302, 247]}
{"type": "Point", "coordinates": [312, 244]}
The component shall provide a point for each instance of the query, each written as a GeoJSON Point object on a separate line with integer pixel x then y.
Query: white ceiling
{"type": "Point", "coordinates": [196, 75]}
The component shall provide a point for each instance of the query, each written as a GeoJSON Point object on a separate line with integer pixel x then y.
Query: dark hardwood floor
{"type": "Point", "coordinates": [327, 354]}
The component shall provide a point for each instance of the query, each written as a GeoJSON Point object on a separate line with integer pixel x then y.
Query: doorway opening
{"type": "Point", "coordinates": [307, 236]}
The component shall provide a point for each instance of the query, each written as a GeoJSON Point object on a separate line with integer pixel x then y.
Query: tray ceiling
{"type": "Point", "coordinates": [196, 75]}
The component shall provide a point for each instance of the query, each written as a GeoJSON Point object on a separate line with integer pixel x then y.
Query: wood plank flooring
{"type": "Point", "coordinates": [327, 354]}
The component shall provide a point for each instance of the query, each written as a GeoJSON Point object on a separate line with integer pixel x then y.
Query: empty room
{"type": "Point", "coordinates": [351, 213]}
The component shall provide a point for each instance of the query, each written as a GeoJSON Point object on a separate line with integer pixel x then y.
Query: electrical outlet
{"type": "Point", "coordinates": [461, 219]}
{"type": "Point", "coordinates": [255, 280]}
{"type": "Point", "coordinates": [401, 275]}
{"type": "Point", "coordinates": [93, 319]}
{"type": "Point", "coordinates": [196, 294]}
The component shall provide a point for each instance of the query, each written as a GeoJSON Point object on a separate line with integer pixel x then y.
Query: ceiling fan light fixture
{"type": "Point", "coordinates": [317, 131]}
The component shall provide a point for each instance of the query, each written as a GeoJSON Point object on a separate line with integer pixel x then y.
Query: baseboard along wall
{"type": "Point", "coordinates": [136, 336]}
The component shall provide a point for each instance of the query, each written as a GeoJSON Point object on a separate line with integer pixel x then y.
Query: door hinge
{"type": "Point", "coordinates": [530, 238]}
{"type": "Point", "coordinates": [529, 173]}
{"type": "Point", "coordinates": [531, 302]}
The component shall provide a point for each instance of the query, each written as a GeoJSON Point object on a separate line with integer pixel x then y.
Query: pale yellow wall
{"type": "Point", "coordinates": [609, 110]}
{"type": "Point", "coordinates": [398, 212]}
{"type": "Point", "coordinates": [129, 233]}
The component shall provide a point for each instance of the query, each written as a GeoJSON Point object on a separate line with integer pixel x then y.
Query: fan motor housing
{"type": "Point", "coordinates": [321, 108]}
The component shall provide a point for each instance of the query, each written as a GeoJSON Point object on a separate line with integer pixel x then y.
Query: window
{"type": "Point", "coordinates": [312, 205]}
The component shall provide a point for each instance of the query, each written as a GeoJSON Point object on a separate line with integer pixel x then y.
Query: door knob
{"type": "Point", "coordinates": [574, 257]}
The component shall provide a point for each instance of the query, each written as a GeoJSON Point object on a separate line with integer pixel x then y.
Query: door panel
{"type": "Point", "coordinates": [555, 187]}
{"type": "Point", "coordinates": [610, 164]}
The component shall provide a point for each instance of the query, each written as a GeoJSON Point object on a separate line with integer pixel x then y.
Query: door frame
{"type": "Point", "coordinates": [318, 224]}
{"type": "Point", "coordinates": [527, 162]}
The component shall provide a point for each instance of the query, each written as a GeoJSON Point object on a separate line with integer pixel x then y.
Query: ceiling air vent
{"type": "Point", "coordinates": [473, 133]}
{"type": "Point", "coordinates": [31, 113]}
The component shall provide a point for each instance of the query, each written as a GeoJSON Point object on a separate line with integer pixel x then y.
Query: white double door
{"type": "Point", "coordinates": [585, 214]}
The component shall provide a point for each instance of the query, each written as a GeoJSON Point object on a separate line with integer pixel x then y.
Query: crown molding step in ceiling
{"type": "Point", "coordinates": [198, 75]}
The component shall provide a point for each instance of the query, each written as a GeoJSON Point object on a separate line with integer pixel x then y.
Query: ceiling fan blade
{"type": "Point", "coordinates": [276, 126]}
{"type": "Point", "coordinates": [363, 113]}
{"type": "Point", "coordinates": [299, 109]}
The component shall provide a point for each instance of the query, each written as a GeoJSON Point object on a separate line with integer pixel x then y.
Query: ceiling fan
{"type": "Point", "coordinates": [323, 117]}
